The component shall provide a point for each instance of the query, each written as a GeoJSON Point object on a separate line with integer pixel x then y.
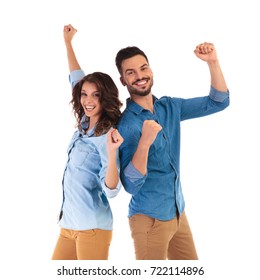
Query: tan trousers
{"type": "Point", "coordinates": [161, 240]}
{"type": "Point", "coordinates": [82, 245]}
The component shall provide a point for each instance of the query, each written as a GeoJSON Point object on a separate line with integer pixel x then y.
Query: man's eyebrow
{"type": "Point", "coordinates": [130, 69]}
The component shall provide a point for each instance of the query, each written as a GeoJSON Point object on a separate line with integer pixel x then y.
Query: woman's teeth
{"type": "Point", "coordinates": [89, 108]}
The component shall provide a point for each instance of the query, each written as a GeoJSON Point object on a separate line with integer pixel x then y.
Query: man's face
{"type": "Point", "coordinates": [137, 75]}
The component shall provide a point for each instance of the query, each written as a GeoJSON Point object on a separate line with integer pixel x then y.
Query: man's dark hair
{"type": "Point", "coordinates": [127, 53]}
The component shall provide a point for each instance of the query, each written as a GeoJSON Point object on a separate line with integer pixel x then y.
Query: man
{"type": "Point", "coordinates": [150, 154]}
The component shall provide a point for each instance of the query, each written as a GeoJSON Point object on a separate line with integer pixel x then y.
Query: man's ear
{"type": "Point", "coordinates": [122, 81]}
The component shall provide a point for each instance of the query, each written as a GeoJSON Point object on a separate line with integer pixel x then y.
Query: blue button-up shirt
{"type": "Point", "coordinates": [159, 194]}
{"type": "Point", "coordinates": [85, 203]}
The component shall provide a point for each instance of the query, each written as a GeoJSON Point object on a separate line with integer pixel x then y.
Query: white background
{"type": "Point", "coordinates": [219, 154]}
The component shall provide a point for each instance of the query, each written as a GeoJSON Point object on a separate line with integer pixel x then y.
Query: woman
{"type": "Point", "coordinates": [91, 173]}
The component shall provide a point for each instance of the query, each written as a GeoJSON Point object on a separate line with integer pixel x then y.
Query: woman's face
{"type": "Point", "coordinates": [90, 101]}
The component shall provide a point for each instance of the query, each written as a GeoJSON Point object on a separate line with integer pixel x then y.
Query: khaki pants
{"type": "Point", "coordinates": [161, 240]}
{"type": "Point", "coordinates": [83, 245]}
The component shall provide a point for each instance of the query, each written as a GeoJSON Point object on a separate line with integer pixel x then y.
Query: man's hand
{"type": "Point", "coordinates": [149, 132]}
{"type": "Point", "coordinates": [206, 52]}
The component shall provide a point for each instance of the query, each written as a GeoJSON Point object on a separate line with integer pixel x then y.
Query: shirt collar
{"type": "Point", "coordinates": [134, 107]}
{"type": "Point", "coordinates": [84, 124]}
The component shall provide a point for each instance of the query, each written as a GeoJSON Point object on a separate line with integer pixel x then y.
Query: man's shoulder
{"type": "Point", "coordinates": [126, 117]}
{"type": "Point", "coordinates": [168, 101]}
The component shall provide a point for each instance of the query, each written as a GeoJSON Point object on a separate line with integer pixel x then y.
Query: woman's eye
{"type": "Point", "coordinates": [97, 95]}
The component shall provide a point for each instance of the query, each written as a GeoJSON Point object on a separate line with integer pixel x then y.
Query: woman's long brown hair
{"type": "Point", "coordinates": [109, 101]}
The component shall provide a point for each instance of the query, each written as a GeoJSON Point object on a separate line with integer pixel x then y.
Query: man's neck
{"type": "Point", "coordinates": [144, 101]}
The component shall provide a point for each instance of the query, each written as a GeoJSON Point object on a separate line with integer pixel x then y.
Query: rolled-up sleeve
{"type": "Point", "coordinates": [75, 76]}
{"type": "Point", "coordinates": [111, 192]}
{"type": "Point", "coordinates": [218, 96]}
{"type": "Point", "coordinates": [133, 179]}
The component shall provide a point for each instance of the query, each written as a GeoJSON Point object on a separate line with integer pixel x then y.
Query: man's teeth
{"type": "Point", "coordinates": [141, 83]}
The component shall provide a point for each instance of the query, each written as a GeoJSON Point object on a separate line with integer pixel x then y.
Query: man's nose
{"type": "Point", "coordinates": [138, 75]}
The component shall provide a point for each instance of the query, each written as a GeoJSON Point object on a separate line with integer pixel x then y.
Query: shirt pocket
{"type": "Point", "coordinates": [80, 151]}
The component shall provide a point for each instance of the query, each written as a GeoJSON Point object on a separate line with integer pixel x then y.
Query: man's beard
{"type": "Point", "coordinates": [134, 91]}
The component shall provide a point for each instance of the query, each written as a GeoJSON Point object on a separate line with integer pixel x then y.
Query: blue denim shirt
{"type": "Point", "coordinates": [159, 194]}
{"type": "Point", "coordinates": [85, 203]}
